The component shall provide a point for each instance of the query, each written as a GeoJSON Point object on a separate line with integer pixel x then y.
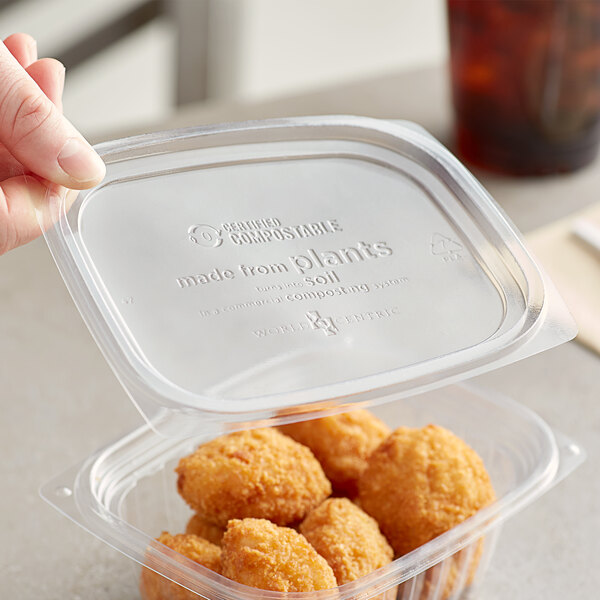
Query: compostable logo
{"type": "Point", "coordinates": [205, 235]}
{"type": "Point", "coordinates": [258, 231]}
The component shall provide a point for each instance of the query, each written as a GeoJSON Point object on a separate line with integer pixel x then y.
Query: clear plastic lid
{"type": "Point", "coordinates": [250, 273]}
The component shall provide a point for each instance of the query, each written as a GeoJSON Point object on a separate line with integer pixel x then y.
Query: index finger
{"type": "Point", "coordinates": [23, 47]}
{"type": "Point", "coordinates": [38, 136]}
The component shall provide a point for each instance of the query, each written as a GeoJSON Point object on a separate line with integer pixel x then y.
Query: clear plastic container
{"type": "Point", "coordinates": [126, 495]}
{"type": "Point", "coordinates": [250, 272]}
{"type": "Point", "coordinates": [255, 274]}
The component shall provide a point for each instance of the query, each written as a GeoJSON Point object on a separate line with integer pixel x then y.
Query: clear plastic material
{"type": "Point", "coordinates": [126, 495]}
{"type": "Point", "coordinates": [251, 273]}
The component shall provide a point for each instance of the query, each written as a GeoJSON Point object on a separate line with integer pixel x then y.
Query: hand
{"type": "Point", "coordinates": [38, 146]}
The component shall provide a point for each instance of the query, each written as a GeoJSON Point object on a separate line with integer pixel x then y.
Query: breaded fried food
{"type": "Point", "coordinates": [156, 587]}
{"type": "Point", "coordinates": [199, 526]}
{"type": "Point", "coordinates": [259, 473]}
{"type": "Point", "coordinates": [342, 443]}
{"type": "Point", "coordinates": [420, 483]}
{"type": "Point", "coordinates": [347, 538]}
{"type": "Point", "coordinates": [261, 554]}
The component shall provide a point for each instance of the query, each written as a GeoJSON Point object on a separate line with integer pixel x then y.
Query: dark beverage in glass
{"type": "Point", "coordinates": [526, 83]}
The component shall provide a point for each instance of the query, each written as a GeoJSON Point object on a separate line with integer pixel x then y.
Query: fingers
{"type": "Point", "coordinates": [49, 74]}
{"type": "Point", "coordinates": [9, 165]}
{"type": "Point", "coordinates": [28, 205]}
{"type": "Point", "coordinates": [19, 197]}
{"type": "Point", "coordinates": [23, 47]}
{"type": "Point", "coordinates": [38, 136]}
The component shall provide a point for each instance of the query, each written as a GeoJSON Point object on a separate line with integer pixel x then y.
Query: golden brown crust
{"type": "Point", "coordinates": [259, 473]}
{"type": "Point", "coordinates": [155, 587]}
{"type": "Point", "coordinates": [342, 443]}
{"type": "Point", "coordinates": [347, 538]}
{"type": "Point", "coordinates": [199, 526]}
{"type": "Point", "coordinates": [420, 483]}
{"type": "Point", "coordinates": [260, 554]}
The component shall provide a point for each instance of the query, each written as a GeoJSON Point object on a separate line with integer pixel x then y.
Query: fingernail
{"type": "Point", "coordinates": [78, 160]}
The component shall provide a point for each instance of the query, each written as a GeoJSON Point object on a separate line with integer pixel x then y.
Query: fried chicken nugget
{"type": "Point", "coordinates": [261, 554]}
{"type": "Point", "coordinates": [156, 587]}
{"type": "Point", "coordinates": [342, 443]}
{"type": "Point", "coordinates": [259, 473]}
{"type": "Point", "coordinates": [420, 483]}
{"type": "Point", "coordinates": [347, 538]}
{"type": "Point", "coordinates": [199, 526]}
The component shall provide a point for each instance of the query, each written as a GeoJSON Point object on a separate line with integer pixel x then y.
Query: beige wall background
{"type": "Point", "coordinates": [254, 48]}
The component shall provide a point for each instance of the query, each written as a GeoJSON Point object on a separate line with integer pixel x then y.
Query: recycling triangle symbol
{"type": "Point", "coordinates": [440, 244]}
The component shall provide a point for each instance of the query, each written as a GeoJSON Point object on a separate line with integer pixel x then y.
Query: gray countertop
{"type": "Point", "coordinates": [60, 401]}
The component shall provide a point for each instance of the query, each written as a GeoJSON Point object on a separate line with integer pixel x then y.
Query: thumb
{"type": "Point", "coordinates": [38, 136]}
